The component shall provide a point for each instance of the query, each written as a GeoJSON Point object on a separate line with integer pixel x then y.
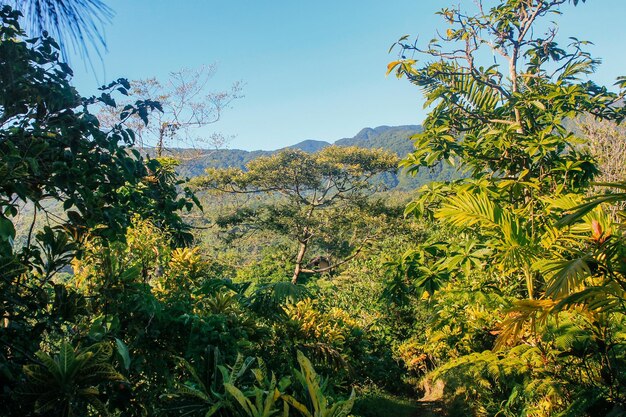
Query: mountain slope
{"type": "Point", "coordinates": [396, 138]}
{"type": "Point", "coordinates": [392, 138]}
{"type": "Point", "coordinates": [309, 145]}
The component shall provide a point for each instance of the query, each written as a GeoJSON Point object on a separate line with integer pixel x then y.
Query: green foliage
{"type": "Point", "coordinates": [329, 336]}
{"type": "Point", "coordinates": [204, 391]}
{"type": "Point", "coordinates": [505, 261]}
{"type": "Point", "coordinates": [53, 149]}
{"type": "Point", "coordinates": [265, 394]}
{"type": "Point", "coordinates": [320, 199]}
{"type": "Point", "coordinates": [534, 380]}
{"type": "Point", "coordinates": [53, 153]}
{"type": "Point", "coordinates": [509, 298]}
{"type": "Point", "coordinates": [221, 390]}
{"type": "Point", "coordinates": [70, 383]}
{"type": "Point", "coordinates": [268, 300]}
{"type": "Point", "coordinates": [512, 134]}
{"type": "Point", "coordinates": [320, 404]}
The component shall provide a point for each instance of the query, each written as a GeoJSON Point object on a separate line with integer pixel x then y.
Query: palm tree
{"type": "Point", "coordinates": [76, 24]}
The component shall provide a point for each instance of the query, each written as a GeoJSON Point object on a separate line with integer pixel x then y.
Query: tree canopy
{"type": "Point", "coordinates": [187, 106]}
{"type": "Point", "coordinates": [318, 192]}
{"type": "Point", "coordinates": [504, 119]}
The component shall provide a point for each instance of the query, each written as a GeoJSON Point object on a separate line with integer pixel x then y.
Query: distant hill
{"type": "Point", "coordinates": [309, 145]}
{"type": "Point", "coordinates": [393, 138]}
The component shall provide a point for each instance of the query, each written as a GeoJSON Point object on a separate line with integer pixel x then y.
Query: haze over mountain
{"type": "Point", "coordinates": [393, 138]}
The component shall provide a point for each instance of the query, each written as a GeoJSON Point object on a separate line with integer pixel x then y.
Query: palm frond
{"type": "Point", "coordinates": [607, 298]}
{"type": "Point", "coordinates": [76, 24]}
{"type": "Point", "coordinates": [564, 276]}
{"type": "Point", "coordinates": [465, 90]}
{"type": "Point", "coordinates": [467, 209]}
{"type": "Point", "coordinates": [583, 209]}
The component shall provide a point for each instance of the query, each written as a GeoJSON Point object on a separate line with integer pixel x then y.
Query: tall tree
{"type": "Point", "coordinates": [317, 198]}
{"type": "Point", "coordinates": [504, 121]}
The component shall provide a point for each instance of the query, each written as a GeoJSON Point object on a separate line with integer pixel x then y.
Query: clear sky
{"type": "Point", "coordinates": [312, 70]}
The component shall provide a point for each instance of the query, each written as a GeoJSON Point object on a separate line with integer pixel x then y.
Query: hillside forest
{"type": "Point", "coordinates": [474, 265]}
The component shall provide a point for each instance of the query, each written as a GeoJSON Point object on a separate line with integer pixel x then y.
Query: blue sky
{"type": "Point", "coordinates": [312, 70]}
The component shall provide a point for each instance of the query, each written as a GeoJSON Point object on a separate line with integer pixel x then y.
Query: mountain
{"type": "Point", "coordinates": [393, 138]}
{"type": "Point", "coordinates": [309, 145]}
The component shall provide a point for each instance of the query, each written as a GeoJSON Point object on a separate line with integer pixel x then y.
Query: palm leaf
{"type": "Point", "coordinates": [466, 210]}
{"type": "Point", "coordinates": [73, 22]}
{"type": "Point", "coordinates": [564, 275]}
{"type": "Point", "coordinates": [449, 82]}
{"type": "Point", "coordinates": [608, 298]}
{"type": "Point", "coordinates": [583, 209]}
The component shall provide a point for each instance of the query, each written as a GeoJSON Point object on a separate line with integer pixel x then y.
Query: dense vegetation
{"type": "Point", "coordinates": [297, 283]}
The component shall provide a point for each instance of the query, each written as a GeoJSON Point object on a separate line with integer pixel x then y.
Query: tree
{"type": "Point", "coordinates": [607, 143]}
{"type": "Point", "coordinates": [53, 148]}
{"type": "Point", "coordinates": [504, 120]}
{"type": "Point", "coordinates": [320, 199]}
{"type": "Point", "coordinates": [187, 106]}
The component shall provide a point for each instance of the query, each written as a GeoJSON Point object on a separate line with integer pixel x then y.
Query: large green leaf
{"type": "Point", "coordinates": [564, 276]}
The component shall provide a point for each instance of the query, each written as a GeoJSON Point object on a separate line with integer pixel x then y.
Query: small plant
{"type": "Point", "coordinates": [260, 401]}
{"type": "Point", "coordinates": [202, 393]}
{"type": "Point", "coordinates": [69, 383]}
{"type": "Point", "coordinates": [319, 401]}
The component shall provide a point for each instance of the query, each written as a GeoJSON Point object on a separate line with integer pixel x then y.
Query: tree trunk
{"type": "Point", "coordinates": [299, 258]}
{"type": "Point", "coordinates": [159, 147]}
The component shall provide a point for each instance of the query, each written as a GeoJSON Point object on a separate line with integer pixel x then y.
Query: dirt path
{"type": "Point", "coordinates": [429, 409]}
{"type": "Point", "coordinates": [391, 406]}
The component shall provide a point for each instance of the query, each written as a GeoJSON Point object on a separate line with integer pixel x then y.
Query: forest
{"type": "Point", "coordinates": [474, 265]}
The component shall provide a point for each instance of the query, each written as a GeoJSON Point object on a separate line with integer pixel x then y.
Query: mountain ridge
{"type": "Point", "coordinates": [392, 138]}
